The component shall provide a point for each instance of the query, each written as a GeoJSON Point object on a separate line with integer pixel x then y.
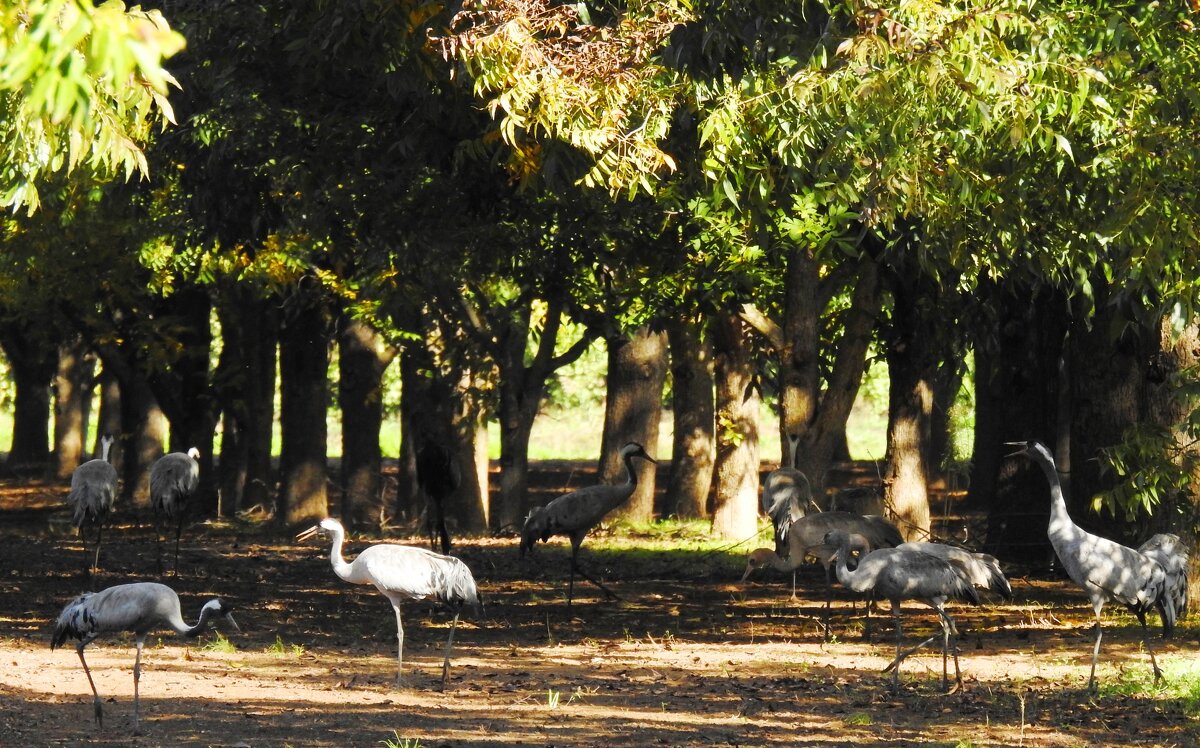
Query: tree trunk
{"type": "Point", "coordinates": [637, 369]}
{"type": "Point", "coordinates": [692, 401]}
{"type": "Point", "coordinates": [1017, 399]}
{"type": "Point", "coordinates": [143, 432]}
{"type": "Point", "coordinates": [108, 418]}
{"type": "Point", "coordinates": [32, 362]}
{"type": "Point", "coordinates": [735, 509]}
{"type": "Point", "coordinates": [304, 369]}
{"type": "Point", "coordinates": [469, 505]}
{"type": "Point", "coordinates": [362, 359]}
{"type": "Point", "coordinates": [72, 406]}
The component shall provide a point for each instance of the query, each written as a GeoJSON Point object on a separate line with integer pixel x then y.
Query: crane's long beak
{"type": "Point", "coordinates": [229, 618]}
{"type": "Point", "coordinates": [746, 574]}
{"type": "Point", "coordinates": [310, 532]}
{"type": "Point", "coordinates": [1021, 449]}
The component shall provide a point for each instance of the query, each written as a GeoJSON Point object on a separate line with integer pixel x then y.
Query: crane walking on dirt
{"type": "Point", "coordinates": [982, 569]}
{"type": "Point", "coordinates": [574, 514]}
{"type": "Point", "coordinates": [93, 491]}
{"type": "Point", "coordinates": [174, 478]}
{"type": "Point", "coordinates": [141, 607]}
{"type": "Point", "coordinates": [806, 537]}
{"type": "Point", "coordinates": [896, 574]}
{"type": "Point", "coordinates": [1103, 568]}
{"type": "Point", "coordinates": [402, 573]}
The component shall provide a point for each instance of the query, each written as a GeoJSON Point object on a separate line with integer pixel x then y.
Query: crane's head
{"type": "Point", "coordinates": [220, 610]}
{"type": "Point", "coordinates": [633, 449]}
{"type": "Point", "coordinates": [329, 525]}
{"type": "Point", "coordinates": [758, 558]}
{"type": "Point", "coordinates": [193, 453]}
{"type": "Point", "coordinates": [1031, 449]}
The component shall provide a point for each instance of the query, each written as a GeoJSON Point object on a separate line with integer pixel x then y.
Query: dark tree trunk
{"type": "Point", "coordinates": [362, 359]}
{"type": "Point", "coordinates": [304, 395]}
{"type": "Point", "coordinates": [143, 432]}
{"type": "Point", "coordinates": [72, 406]}
{"type": "Point", "coordinates": [415, 402]}
{"type": "Point", "coordinates": [108, 418]}
{"type": "Point", "coordinates": [735, 508]}
{"type": "Point", "coordinates": [1017, 381]}
{"type": "Point", "coordinates": [692, 400]}
{"type": "Point", "coordinates": [946, 383]}
{"type": "Point", "coordinates": [33, 362]}
{"type": "Point", "coordinates": [637, 369]}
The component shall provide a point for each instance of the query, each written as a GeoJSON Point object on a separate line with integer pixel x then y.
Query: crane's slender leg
{"type": "Point", "coordinates": [449, 644]}
{"type": "Point", "coordinates": [899, 636]}
{"type": "Point", "coordinates": [1097, 605]}
{"type": "Point", "coordinates": [178, 532]}
{"type": "Point", "coordinates": [1158, 676]}
{"type": "Point", "coordinates": [571, 584]}
{"type": "Point", "coordinates": [137, 677]}
{"type": "Point", "coordinates": [794, 597]}
{"type": "Point", "coordinates": [99, 532]}
{"type": "Point", "coordinates": [399, 641]}
{"type": "Point", "coordinates": [96, 708]}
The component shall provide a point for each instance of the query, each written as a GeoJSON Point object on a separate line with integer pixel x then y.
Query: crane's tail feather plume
{"type": "Point", "coordinates": [74, 621]}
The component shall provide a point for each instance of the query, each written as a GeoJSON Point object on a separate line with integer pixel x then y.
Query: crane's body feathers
{"type": "Point", "coordinates": [982, 569]}
{"type": "Point", "coordinates": [93, 493]}
{"type": "Point", "coordinates": [174, 479]}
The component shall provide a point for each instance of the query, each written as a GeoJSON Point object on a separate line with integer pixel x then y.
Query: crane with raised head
{"type": "Point", "coordinates": [174, 478]}
{"type": "Point", "coordinates": [806, 537]}
{"type": "Point", "coordinates": [897, 574]}
{"type": "Point", "coordinates": [575, 514]}
{"type": "Point", "coordinates": [140, 607]}
{"type": "Point", "coordinates": [402, 572]}
{"type": "Point", "coordinates": [786, 496]}
{"type": "Point", "coordinates": [438, 477]}
{"type": "Point", "coordinates": [1103, 568]}
{"type": "Point", "coordinates": [93, 491]}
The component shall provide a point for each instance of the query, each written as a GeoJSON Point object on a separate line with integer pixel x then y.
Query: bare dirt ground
{"type": "Point", "coordinates": [688, 655]}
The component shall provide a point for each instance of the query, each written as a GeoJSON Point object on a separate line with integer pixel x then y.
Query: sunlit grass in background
{"type": "Point", "coordinates": [1179, 688]}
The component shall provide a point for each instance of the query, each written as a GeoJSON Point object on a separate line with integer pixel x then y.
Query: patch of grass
{"type": "Point", "coordinates": [281, 649]}
{"type": "Point", "coordinates": [552, 698]}
{"type": "Point", "coordinates": [859, 719]}
{"type": "Point", "coordinates": [399, 742]}
{"type": "Point", "coordinates": [219, 644]}
{"type": "Point", "coordinates": [1179, 688]}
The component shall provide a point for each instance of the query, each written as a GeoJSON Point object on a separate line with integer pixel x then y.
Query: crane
{"type": "Point", "coordinates": [1170, 552]}
{"type": "Point", "coordinates": [93, 491]}
{"type": "Point", "coordinates": [174, 477]}
{"type": "Point", "coordinates": [982, 569]}
{"type": "Point", "coordinates": [806, 537]}
{"type": "Point", "coordinates": [897, 574]}
{"type": "Point", "coordinates": [402, 573]}
{"type": "Point", "coordinates": [786, 494]}
{"type": "Point", "coordinates": [438, 476]}
{"type": "Point", "coordinates": [140, 607]}
{"type": "Point", "coordinates": [574, 514]}
{"type": "Point", "coordinates": [1103, 568]}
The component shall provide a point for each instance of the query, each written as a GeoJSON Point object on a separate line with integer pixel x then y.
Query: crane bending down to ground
{"type": "Point", "coordinates": [93, 491]}
{"type": "Point", "coordinates": [141, 607]}
{"type": "Point", "coordinates": [402, 573]}
{"type": "Point", "coordinates": [575, 513]}
{"type": "Point", "coordinates": [438, 477]}
{"type": "Point", "coordinates": [174, 478]}
{"type": "Point", "coordinates": [897, 574]}
{"type": "Point", "coordinates": [1105, 569]}
{"type": "Point", "coordinates": [806, 537]}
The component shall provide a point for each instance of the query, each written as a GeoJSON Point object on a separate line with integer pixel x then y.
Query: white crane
{"type": "Point", "coordinates": [174, 477]}
{"type": "Point", "coordinates": [1103, 568]}
{"type": "Point", "coordinates": [806, 537]}
{"type": "Point", "coordinates": [402, 573]}
{"type": "Point", "coordinates": [141, 607]}
{"type": "Point", "coordinates": [575, 513]}
{"type": "Point", "coordinates": [93, 491]}
{"type": "Point", "coordinates": [897, 574]}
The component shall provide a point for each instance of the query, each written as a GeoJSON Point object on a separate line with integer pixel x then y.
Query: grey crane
{"type": "Point", "coordinates": [93, 490]}
{"type": "Point", "coordinates": [1170, 552]}
{"type": "Point", "coordinates": [174, 477]}
{"type": "Point", "coordinates": [807, 537]}
{"type": "Point", "coordinates": [786, 495]}
{"type": "Point", "coordinates": [438, 477]}
{"type": "Point", "coordinates": [897, 574]}
{"type": "Point", "coordinates": [982, 569]}
{"type": "Point", "coordinates": [1103, 568]}
{"type": "Point", "coordinates": [402, 573]}
{"type": "Point", "coordinates": [574, 514]}
{"type": "Point", "coordinates": [140, 607]}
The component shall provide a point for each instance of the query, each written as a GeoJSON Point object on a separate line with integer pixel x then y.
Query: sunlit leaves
{"type": "Point", "coordinates": [78, 84]}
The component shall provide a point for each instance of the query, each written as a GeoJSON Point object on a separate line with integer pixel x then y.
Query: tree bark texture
{"type": "Point", "coordinates": [362, 359]}
{"type": "Point", "coordinates": [143, 434]}
{"type": "Point", "coordinates": [33, 361]}
{"type": "Point", "coordinates": [304, 368]}
{"type": "Point", "coordinates": [735, 508]}
{"type": "Point", "coordinates": [108, 419]}
{"type": "Point", "coordinates": [692, 400]}
{"type": "Point", "coordinates": [72, 406]}
{"type": "Point", "coordinates": [637, 369]}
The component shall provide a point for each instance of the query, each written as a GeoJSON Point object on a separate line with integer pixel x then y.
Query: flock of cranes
{"type": "Point", "coordinates": [867, 553]}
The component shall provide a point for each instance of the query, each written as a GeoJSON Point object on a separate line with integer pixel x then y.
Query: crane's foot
{"type": "Point", "coordinates": [98, 712]}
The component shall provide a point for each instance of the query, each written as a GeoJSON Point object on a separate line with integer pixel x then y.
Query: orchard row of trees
{"type": "Point", "coordinates": [765, 191]}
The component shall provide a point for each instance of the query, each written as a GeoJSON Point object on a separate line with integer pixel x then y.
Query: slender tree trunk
{"type": "Point", "coordinates": [144, 432]}
{"type": "Point", "coordinates": [362, 358]}
{"type": "Point", "coordinates": [72, 406]}
{"type": "Point", "coordinates": [304, 369]}
{"type": "Point", "coordinates": [32, 362]}
{"type": "Point", "coordinates": [470, 504]}
{"type": "Point", "coordinates": [108, 418]}
{"type": "Point", "coordinates": [735, 510]}
{"type": "Point", "coordinates": [692, 400]}
{"type": "Point", "coordinates": [637, 369]}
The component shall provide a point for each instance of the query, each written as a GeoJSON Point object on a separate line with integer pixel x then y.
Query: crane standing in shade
{"type": "Point", "coordinates": [141, 607]}
{"type": "Point", "coordinates": [174, 478]}
{"type": "Point", "coordinates": [402, 573]}
{"type": "Point", "coordinates": [575, 513]}
{"type": "Point", "coordinates": [1105, 569]}
{"type": "Point", "coordinates": [807, 537]}
{"type": "Point", "coordinates": [896, 574]}
{"type": "Point", "coordinates": [93, 491]}
{"type": "Point", "coordinates": [438, 477]}
{"type": "Point", "coordinates": [786, 495]}
{"type": "Point", "coordinates": [983, 570]}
